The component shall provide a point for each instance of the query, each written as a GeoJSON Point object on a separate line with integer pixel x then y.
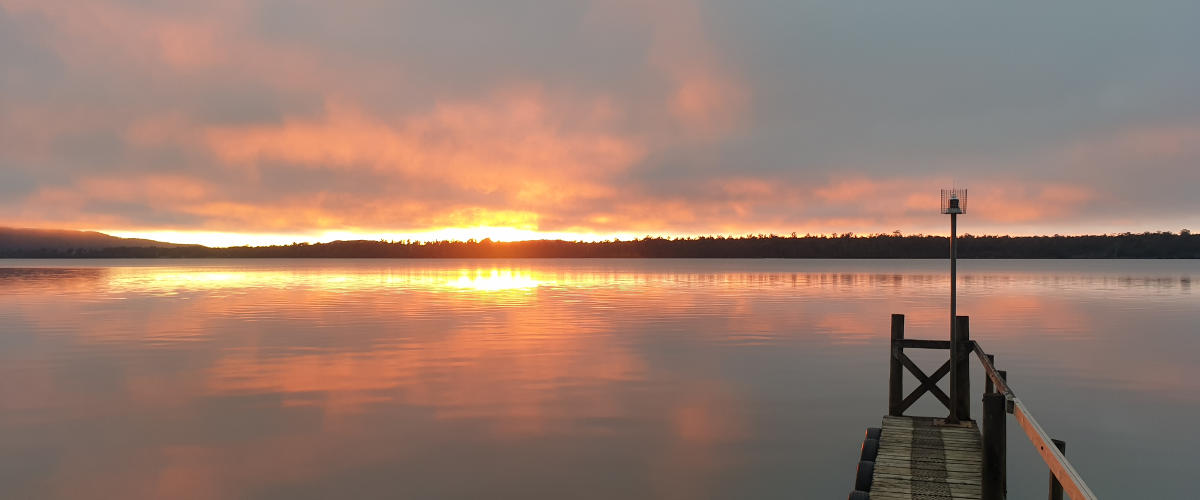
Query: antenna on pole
{"type": "Point", "coordinates": [954, 202]}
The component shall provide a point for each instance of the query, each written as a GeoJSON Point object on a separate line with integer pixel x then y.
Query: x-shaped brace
{"type": "Point", "coordinates": [928, 383]}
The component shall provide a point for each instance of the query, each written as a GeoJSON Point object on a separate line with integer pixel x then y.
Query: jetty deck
{"type": "Point", "coordinates": [920, 458]}
{"type": "Point", "coordinates": [952, 458]}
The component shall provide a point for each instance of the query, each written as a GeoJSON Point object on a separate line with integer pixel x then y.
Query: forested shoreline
{"type": "Point", "coordinates": [1158, 245]}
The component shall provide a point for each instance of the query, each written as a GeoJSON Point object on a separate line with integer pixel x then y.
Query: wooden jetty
{"type": "Point", "coordinates": [919, 457]}
{"type": "Point", "coordinates": [952, 458]}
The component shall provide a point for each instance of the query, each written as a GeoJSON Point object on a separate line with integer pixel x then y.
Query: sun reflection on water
{"type": "Point", "coordinates": [496, 280]}
{"type": "Point", "coordinates": [296, 375]}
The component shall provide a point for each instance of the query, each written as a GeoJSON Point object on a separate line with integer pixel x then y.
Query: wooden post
{"type": "Point", "coordinates": [988, 388]}
{"type": "Point", "coordinates": [995, 447]}
{"type": "Point", "coordinates": [960, 372]}
{"type": "Point", "coordinates": [1004, 376]}
{"type": "Point", "coordinates": [1056, 489]}
{"type": "Point", "coordinates": [895, 369]}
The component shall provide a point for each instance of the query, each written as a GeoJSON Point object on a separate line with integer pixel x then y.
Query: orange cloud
{"type": "Point", "coordinates": [512, 146]}
{"type": "Point", "coordinates": [999, 200]}
{"type": "Point", "coordinates": [1136, 146]}
{"type": "Point", "coordinates": [1016, 203]}
{"type": "Point", "coordinates": [296, 134]}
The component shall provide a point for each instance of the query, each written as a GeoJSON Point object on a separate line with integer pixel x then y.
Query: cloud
{"type": "Point", "coordinates": [591, 119]}
{"type": "Point", "coordinates": [512, 146]}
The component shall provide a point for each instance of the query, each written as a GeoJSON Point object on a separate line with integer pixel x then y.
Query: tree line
{"type": "Point", "coordinates": [1156, 245]}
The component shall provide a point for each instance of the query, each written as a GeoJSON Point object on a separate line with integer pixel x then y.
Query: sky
{"type": "Point", "coordinates": [255, 122]}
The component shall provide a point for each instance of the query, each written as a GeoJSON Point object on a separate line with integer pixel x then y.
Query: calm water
{"type": "Point", "coordinates": [562, 378]}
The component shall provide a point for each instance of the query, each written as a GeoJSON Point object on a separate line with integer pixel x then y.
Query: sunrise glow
{"type": "Point", "coordinates": [207, 124]}
{"type": "Point", "coordinates": [220, 239]}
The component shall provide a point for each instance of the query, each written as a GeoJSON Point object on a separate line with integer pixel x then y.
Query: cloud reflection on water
{"type": "Point", "coordinates": [289, 379]}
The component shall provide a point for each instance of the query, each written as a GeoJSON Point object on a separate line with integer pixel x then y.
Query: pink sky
{"type": "Point", "coordinates": [257, 122]}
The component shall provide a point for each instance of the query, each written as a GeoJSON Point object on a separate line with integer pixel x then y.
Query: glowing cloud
{"type": "Point", "coordinates": [232, 122]}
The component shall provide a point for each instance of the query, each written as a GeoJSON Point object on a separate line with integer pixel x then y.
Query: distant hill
{"type": "Point", "coordinates": [15, 239]}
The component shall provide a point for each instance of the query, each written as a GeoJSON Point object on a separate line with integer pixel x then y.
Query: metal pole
{"type": "Point", "coordinates": [953, 318]}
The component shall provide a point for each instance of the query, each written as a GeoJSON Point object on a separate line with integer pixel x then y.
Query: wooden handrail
{"type": "Point", "coordinates": [1072, 483]}
{"type": "Point", "coordinates": [993, 374]}
{"type": "Point", "coordinates": [923, 344]}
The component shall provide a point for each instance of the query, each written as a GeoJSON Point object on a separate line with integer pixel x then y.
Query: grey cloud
{"type": "Point", "coordinates": [928, 90]}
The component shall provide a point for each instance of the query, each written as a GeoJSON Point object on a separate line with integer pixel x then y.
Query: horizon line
{"type": "Point", "coordinates": [669, 237]}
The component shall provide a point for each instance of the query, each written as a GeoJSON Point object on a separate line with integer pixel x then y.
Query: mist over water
{"type": "Point", "coordinates": [563, 378]}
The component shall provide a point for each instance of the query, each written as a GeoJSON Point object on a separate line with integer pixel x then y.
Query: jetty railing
{"type": "Point", "coordinates": [998, 400]}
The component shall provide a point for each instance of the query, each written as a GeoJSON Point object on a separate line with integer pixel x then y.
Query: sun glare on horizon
{"type": "Point", "coordinates": [231, 239]}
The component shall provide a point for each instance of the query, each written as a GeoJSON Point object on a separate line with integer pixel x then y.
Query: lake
{"type": "Point", "coordinates": [581, 379]}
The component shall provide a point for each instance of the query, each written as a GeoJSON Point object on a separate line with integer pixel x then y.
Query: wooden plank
{"type": "Point", "coordinates": [926, 442]}
{"type": "Point", "coordinates": [924, 344]}
{"type": "Point", "coordinates": [928, 436]}
{"type": "Point", "coordinates": [909, 495]}
{"type": "Point", "coordinates": [931, 438]}
{"type": "Point", "coordinates": [968, 433]}
{"type": "Point", "coordinates": [966, 429]}
{"type": "Point", "coordinates": [900, 469]}
{"type": "Point", "coordinates": [965, 432]}
{"type": "Point", "coordinates": [961, 446]}
{"type": "Point", "coordinates": [928, 422]}
{"type": "Point", "coordinates": [889, 495]}
{"type": "Point", "coordinates": [907, 476]}
{"type": "Point", "coordinates": [919, 459]}
{"type": "Point", "coordinates": [966, 462]}
{"type": "Point", "coordinates": [922, 437]}
{"type": "Point", "coordinates": [928, 383]}
{"type": "Point", "coordinates": [902, 458]}
{"type": "Point", "coordinates": [950, 468]}
{"type": "Point", "coordinates": [990, 371]}
{"type": "Point", "coordinates": [943, 455]}
{"type": "Point", "coordinates": [924, 489]}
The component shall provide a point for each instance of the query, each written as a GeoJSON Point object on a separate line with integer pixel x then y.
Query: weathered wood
{"type": "Point", "coordinates": [960, 373]}
{"type": "Point", "coordinates": [995, 442]}
{"type": "Point", "coordinates": [917, 438]}
{"type": "Point", "coordinates": [920, 459]}
{"type": "Point", "coordinates": [1056, 489]}
{"type": "Point", "coordinates": [896, 372]}
{"type": "Point", "coordinates": [928, 383]}
{"type": "Point", "coordinates": [1008, 397]}
{"type": "Point", "coordinates": [924, 344]}
{"type": "Point", "coordinates": [916, 471]}
{"type": "Point", "coordinates": [928, 458]}
{"type": "Point", "coordinates": [988, 388]}
{"type": "Point", "coordinates": [990, 371]}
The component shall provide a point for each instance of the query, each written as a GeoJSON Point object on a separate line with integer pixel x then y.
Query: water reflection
{"type": "Point", "coordinates": [496, 280]}
{"type": "Point", "coordinates": [600, 379]}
